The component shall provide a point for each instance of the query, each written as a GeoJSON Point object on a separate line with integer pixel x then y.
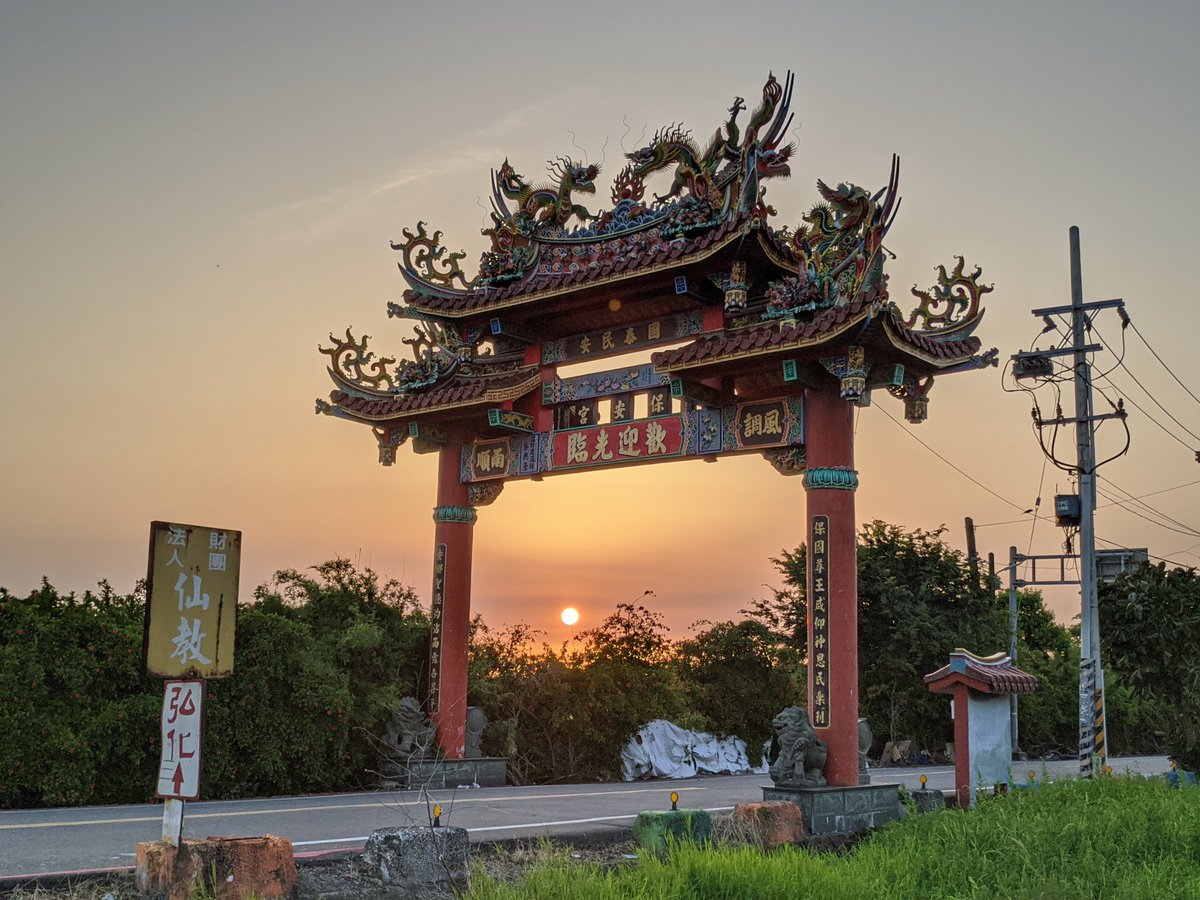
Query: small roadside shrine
{"type": "Point", "coordinates": [980, 688]}
{"type": "Point", "coordinates": [767, 339]}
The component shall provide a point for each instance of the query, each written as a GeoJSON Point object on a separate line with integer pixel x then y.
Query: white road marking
{"type": "Point", "coordinates": [363, 840]}
{"type": "Point", "coordinates": [385, 804]}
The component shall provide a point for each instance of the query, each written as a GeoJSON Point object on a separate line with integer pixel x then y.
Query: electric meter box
{"type": "Point", "coordinates": [1067, 509]}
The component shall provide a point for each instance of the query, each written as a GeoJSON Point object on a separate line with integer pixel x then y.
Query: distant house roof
{"type": "Point", "coordinates": [990, 675]}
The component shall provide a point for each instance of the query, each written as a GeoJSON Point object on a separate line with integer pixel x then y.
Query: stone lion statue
{"type": "Point", "coordinates": [410, 735]}
{"type": "Point", "coordinates": [801, 755]}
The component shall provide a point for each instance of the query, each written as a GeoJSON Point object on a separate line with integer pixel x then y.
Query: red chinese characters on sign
{"type": "Point", "coordinates": [182, 718]}
{"type": "Point", "coordinates": [623, 442]}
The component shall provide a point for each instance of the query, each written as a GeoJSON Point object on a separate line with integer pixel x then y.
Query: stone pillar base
{"type": "Point", "coordinates": [228, 868]}
{"type": "Point", "coordinates": [842, 810]}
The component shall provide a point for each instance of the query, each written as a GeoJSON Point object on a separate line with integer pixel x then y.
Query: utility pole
{"type": "Point", "coordinates": [1037, 364]}
{"type": "Point", "coordinates": [1012, 643]}
{"type": "Point", "coordinates": [1089, 622]}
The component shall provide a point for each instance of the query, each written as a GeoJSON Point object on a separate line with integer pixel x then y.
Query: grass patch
{"type": "Point", "coordinates": [1111, 837]}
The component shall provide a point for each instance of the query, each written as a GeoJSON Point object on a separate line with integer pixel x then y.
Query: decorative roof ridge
{"type": "Point", "coordinates": [538, 285]}
{"type": "Point", "coordinates": [448, 395]}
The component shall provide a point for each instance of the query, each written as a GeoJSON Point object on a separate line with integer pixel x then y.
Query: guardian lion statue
{"type": "Point", "coordinates": [801, 754]}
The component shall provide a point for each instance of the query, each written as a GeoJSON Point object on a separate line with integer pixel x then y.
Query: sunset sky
{"type": "Point", "coordinates": [196, 195]}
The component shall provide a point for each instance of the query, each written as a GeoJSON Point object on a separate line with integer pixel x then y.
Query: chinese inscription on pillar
{"type": "Point", "coordinates": [435, 624]}
{"type": "Point", "coordinates": [819, 649]}
{"type": "Point", "coordinates": [191, 600]}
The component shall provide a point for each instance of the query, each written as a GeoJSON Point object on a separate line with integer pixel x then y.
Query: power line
{"type": "Point", "coordinates": [1121, 364]}
{"type": "Point", "coordinates": [1189, 530]}
{"type": "Point", "coordinates": [946, 461]}
{"type": "Point", "coordinates": [1160, 359]}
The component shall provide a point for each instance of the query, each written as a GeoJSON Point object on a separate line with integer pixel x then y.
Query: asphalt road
{"type": "Point", "coordinates": [57, 841]}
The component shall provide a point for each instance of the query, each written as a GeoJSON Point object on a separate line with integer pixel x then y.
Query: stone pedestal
{"type": "Point", "coordinates": [841, 809]}
{"type": "Point", "coordinates": [420, 859]}
{"type": "Point", "coordinates": [929, 801]}
{"type": "Point", "coordinates": [485, 771]}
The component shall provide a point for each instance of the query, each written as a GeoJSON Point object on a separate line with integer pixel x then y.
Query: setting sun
{"type": "Point", "coordinates": [570, 615]}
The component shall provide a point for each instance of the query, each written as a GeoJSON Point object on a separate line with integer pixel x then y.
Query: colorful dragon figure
{"type": "Point", "coordinates": [539, 204]}
{"type": "Point", "coordinates": [752, 157]}
{"type": "Point", "coordinates": [951, 308]}
{"type": "Point", "coordinates": [760, 155]}
{"type": "Point", "coordinates": [694, 169]}
{"type": "Point", "coordinates": [843, 235]}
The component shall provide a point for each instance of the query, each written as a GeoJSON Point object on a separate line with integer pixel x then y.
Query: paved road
{"type": "Point", "coordinates": [36, 842]}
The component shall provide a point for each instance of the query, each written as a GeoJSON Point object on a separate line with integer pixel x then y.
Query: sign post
{"type": "Point", "coordinates": [191, 611]}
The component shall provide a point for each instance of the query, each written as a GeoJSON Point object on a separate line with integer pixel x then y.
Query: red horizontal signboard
{"type": "Point", "coordinates": [622, 442]}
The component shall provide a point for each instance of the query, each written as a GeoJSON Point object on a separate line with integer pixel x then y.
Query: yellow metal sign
{"type": "Point", "coordinates": [191, 600]}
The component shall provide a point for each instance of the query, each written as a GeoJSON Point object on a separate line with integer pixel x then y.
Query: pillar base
{"type": "Point", "coordinates": [842, 810]}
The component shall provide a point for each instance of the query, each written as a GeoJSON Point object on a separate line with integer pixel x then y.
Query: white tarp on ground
{"type": "Point", "coordinates": [663, 750]}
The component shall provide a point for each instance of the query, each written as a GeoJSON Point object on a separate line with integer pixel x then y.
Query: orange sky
{"type": "Point", "coordinates": [196, 197]}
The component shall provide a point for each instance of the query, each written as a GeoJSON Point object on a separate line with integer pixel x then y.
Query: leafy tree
{"type": "Point", "coordinates": [78, 719]}
{"type": "Point", "coordinates": [1048, 719]}
{"type": "Point", "coordinates": [375, 636]}
{"type": "Point", "coordinates": [739, 676]}
{"type": "Point", "coordinates": [565, 714]}
{"type": "Point", "coordinates": [280, 723]}
{"type": "Point", "coordinates": [917, 601]}
{"type": "Point", "coordinates": [1150, 637]}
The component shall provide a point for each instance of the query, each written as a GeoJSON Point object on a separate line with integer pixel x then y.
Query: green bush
{"type": "Point", "coordinates": [319, 664]}
{"type": "Point", "coordinates": [78, 720]}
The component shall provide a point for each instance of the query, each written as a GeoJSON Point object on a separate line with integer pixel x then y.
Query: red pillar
{"type": "Point", "coordinates": [962, 749]}
{"type": "Point", "coordinates": [830, 482]}
{"type": "Point", "coordinates": [451, 611]}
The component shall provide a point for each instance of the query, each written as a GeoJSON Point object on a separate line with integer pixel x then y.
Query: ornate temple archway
{"type": "Point", "coordinates": [767, 339]}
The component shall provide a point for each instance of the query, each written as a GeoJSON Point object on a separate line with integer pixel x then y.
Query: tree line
{"type": "Point", "coordinates": [322, 658]}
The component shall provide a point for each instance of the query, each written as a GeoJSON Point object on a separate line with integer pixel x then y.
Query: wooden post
{"type": "Point", "coordinates": [830, 482]}
{"type": "Point", "coordinates": [453, 534]}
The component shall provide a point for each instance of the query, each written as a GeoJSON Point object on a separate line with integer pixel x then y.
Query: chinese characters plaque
{"type": "Point", "coordinates": [819, 648]}
{"type": "Point", "coordinates": [191, 600]}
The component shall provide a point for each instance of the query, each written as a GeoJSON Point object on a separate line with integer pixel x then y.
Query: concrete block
{"type": "Point", "coordinates": [230, 868]}
{"type": "Point", "coordinates": [929, 801]}
{"type": "Point", "coordinates": [420, 858]}
{"type": "Point", "coordinates": [773, 824]}
{"type": "Point", "coordinates": [651, 829]}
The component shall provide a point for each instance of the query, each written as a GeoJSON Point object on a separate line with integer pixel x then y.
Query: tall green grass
{"type": "Point", "coordinates": [1111, 838]}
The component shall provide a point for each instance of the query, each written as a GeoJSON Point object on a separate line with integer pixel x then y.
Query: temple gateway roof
{"type": "Point", "coordinates": [739, 307]}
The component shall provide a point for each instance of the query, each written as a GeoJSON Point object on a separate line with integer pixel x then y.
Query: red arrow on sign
{"type": "Point", "coordinates": [177, 778]}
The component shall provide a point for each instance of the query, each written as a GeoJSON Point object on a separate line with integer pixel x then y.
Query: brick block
{"type": "Point", "coordinates": [230, 868]}
{"type": "Point", "coordinates": [773, 824]}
